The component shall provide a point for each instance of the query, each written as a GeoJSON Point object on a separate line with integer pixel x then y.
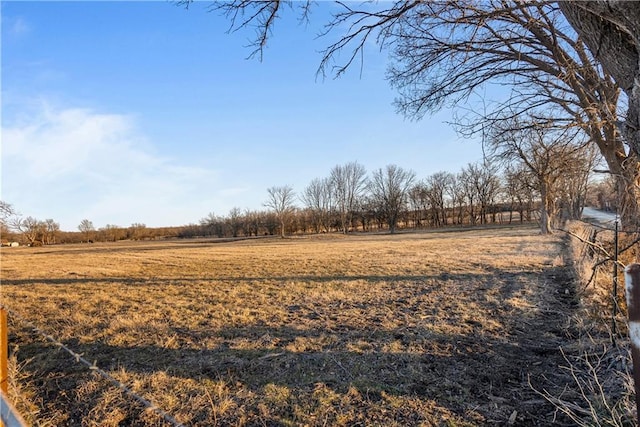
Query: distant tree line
{"type": "Point", "coordinates": [548, 186]}
{"type": "Point", "coordinates": [33, 232]}
{"type": "Point", "coordinates": [567, 65]}
{"type": "Point", "coordinates": [530, 174]}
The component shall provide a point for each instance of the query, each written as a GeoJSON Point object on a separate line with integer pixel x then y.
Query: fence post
{"type": "Point", "coordinates": [4, 352]}
{"type": "Point", "coordinates": [4, 356]}
{"type": "Point", "coordinates": [632, 291]}
{"type": "Point", "coordinates": [614, 312]}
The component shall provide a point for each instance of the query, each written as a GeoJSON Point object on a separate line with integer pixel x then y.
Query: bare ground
{"type": "Point", "coordinates": [453, 329]}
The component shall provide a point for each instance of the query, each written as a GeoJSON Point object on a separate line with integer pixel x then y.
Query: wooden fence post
{"type": "Point", "coordinates": [632, 291]}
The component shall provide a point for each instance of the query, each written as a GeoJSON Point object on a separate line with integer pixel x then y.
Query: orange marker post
{"type": "Point", "coordinates": [4, 352]}
{"type": "Point", "coordinates": [4, 355]}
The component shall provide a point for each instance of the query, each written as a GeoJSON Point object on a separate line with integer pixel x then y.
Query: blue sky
{"type": "Point", "coordinates": [145, 112]}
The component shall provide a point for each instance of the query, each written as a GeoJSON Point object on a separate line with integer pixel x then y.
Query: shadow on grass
{"type": "Point", "coordinates": [255, 279]}
{"type": "Point", "coordinates": [475, 375]}
{"type": "Point", "coordinates": [372, 278]}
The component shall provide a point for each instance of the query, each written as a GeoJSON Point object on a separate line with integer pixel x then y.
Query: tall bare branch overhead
{"type": "Point", "coordinates": [442, 53]}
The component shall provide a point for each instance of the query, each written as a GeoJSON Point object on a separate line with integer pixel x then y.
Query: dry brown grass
{"type": "Point", "coordinates": [407, 329]}
{"type": "Point", "coordinates": [602, 368]}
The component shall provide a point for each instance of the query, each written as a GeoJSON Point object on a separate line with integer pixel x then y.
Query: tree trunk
{"type": "Point", "coordinates": [611, 30]}
{"type": "Point", "coordinates": [629, 190]}
{"type": "Point", "coordinates": [546, 211]}
{"type": "Point", "coordinates": [392, 221]}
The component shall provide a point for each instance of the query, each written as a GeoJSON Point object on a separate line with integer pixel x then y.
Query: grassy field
{"type": "Point", "coordinates": [452, 329]}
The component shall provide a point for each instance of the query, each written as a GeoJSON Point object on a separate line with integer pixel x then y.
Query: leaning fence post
{"type": "Point", "coordinates": [632, 291]}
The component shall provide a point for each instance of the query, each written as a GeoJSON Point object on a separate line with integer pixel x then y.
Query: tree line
{"type": "Point", "coordinates": [33, 232]}
{"type": "Point", "coordinates": [530, 173]}
{"type": "Point", "coordinates": [392, 198]}
{"type": "Point", "coordinates": [570, 65]}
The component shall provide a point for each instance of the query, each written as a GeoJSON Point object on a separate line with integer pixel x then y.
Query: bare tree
{"type": "Point", "coordinates": [368, 212]}
{"type": "Point", "coordinates": [468, 176]}
{"type": "Point", "coordinates": [548, 154]}
{"type": "Point", "coordinates": [261, 15]}
{"type": "Point", "coordinates": [271, 222]}
{"type": "Point", "coordinates": [212, 225]}
{"type": "Point", "coordinates": [251, 223]}
{"type": "Point", "coordinates": [32, 229]}
{"type": "Point", "coordinates": [281, 200]}
{"type": "Point", "coordinates": [348, 183]}
{"type": "Point", "coordinates": [390, 187]}
{"type": "Point", "coordinates": [611, 29]}
{"type": "Point", "coordinates": [111, 232]}
{"type": "Point", "coordinates": [7, 217]}
{"type": "Point", "coordinates": [601, 194]}
{"type": "Point", "coordinates": [487, 186]}
{"type": "Point", "coordinates": [457, 197]}
{"type": "Point", "coordinates": [574, 182]}
{"type": "Point", "coordinates": [418, 202]}
{"type": "Point", "coordinates": [51, 231]}
{"type": "Point", "coordinates": [137, 231]}
{"type": "Point", "coordinates": [6, 212]}
{"type": "Point", "coordinates": [437, 189]}
{"type": "Point", "coordinates": [519, 188]}
{"type": "Point", "coordinates": [318, 198]}
{"type": "Point", "coordinates": [86, 228]}
{"type": "Point", "coordinates": [235, 221]}
{"type": "Point", "coordinates": [443, 52]}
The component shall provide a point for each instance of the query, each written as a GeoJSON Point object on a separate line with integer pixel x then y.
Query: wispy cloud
{"type": "Point", "coordinates": [72, 163]}
{"type": "Point", "coordinates": [15, 26]}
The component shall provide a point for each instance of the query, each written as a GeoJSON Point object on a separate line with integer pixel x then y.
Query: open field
{"type": "Point", "coordinates": [408, 329]}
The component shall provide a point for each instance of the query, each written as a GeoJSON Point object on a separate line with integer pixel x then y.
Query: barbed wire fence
{"type": "Point", "coordinates": [603, 255]}
{"type": "Point", "coordinates": [78, 358]}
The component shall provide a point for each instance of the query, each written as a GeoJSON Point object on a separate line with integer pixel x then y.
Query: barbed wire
{"type": "Point", "coordinates": [149, 405]}
{"type": "Point", "coordinates": [606, 228]}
